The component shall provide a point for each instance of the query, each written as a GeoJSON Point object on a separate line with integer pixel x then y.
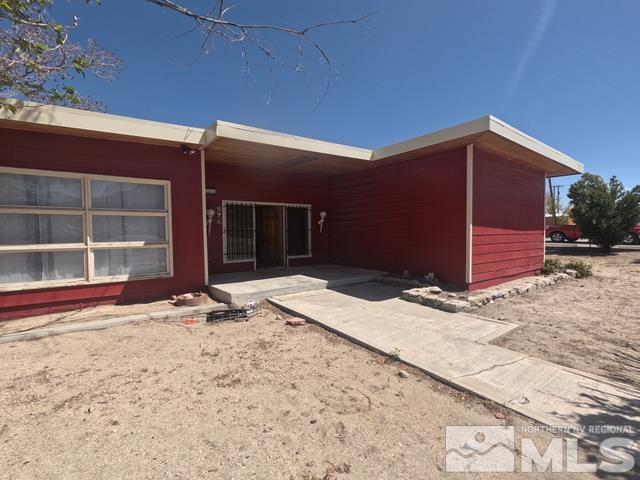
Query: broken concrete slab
{"type": "Point", "coordinates": [176, 312]}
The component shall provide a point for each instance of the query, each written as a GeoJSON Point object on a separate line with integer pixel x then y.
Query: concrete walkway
{"type": "Point", "coordinates": [453, 348]}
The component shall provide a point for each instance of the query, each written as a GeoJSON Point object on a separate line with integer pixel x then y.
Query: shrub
{"type": "Point", "coordinates": [552, 265]}
{"type": "Point", "coordinates": [583, 269]}
{"type": "Point", "coordinates": [605, 212]}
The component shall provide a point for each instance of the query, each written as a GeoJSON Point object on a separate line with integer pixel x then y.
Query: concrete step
{"type": "Point", "coordinates": [243, 287]}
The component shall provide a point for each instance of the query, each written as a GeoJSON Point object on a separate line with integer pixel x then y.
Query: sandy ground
{"type": "Point", "coordinates": [251, 399]}
{"type": "Point", "coordinates": [591, 324]}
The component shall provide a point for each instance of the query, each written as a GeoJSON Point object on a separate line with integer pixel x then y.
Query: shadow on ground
{"type": "Point", "coordinates": [623, 415]}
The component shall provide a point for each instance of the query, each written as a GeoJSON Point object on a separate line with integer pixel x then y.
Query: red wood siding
{"type": "Point", "coordinates": [73, 154]}
{"type": "Point", "coordinates": [256, 185]}
{"type": "Point", "coordinates": [508, 221]}
{"type": "Point", "coordinates": [408, 215]}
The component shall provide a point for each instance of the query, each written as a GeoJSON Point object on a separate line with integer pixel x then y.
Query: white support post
{"type": "Point", "coordinates": [469, 229]}
{"type": "Point", "coordinates": [205, 243]}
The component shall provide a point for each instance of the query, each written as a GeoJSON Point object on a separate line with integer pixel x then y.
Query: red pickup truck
{"type": "Point", "coordinates": [571, 233]}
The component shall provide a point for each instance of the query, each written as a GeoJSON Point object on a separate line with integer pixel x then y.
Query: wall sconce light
{"type": "Point", "coordinates": [210, 213]}
{"type": "Point", "coordinates": [323, 215]}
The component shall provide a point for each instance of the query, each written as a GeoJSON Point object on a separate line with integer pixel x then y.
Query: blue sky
{"type": "Point", "coordinates": [564, 71]}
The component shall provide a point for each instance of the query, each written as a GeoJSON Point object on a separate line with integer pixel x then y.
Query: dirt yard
{"type": "Point", "coordinates": [253, 399]}
{"type": "Point", "coordinates": [591, 324]}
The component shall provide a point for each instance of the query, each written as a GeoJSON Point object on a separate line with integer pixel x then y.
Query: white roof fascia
{"type": "Point", "coordinates": [278, 139]}
{"type": "Point", "coordinates": [481, 125]}
{"type": "Point", "coordinates": [505, 130]}
{"type": "Point", "coordinates": [116, 125]}
{"type": "Point", "coordinates": [452, 133]}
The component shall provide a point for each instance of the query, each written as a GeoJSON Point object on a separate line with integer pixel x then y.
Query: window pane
{"type": "Point", "coordinates": [40, 191]}
{"type": "Point", "coordinates": [41, 266]}
{"type": "Point", "coordinates": [297, 231]}
{"type": "Point", "coordinates": [110, 228]}
{"type": "Point", "coordinates": [31, 229]}
{"type": "Point", "coordinates": [240, 232]}
{"type": "Point", "coordinates": [126, 196]}
{"type": "Point", "coordinates": [130, 261]}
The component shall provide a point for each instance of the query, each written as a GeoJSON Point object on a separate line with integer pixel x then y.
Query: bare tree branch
{"type": "Point", "coordinates": [217, 26]}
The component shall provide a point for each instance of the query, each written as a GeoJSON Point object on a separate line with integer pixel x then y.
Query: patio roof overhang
{"type": "Point", "coordinates": [241, 145]}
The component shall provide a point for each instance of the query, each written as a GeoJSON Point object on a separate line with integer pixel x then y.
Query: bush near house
{"type": "Point", "coordinates": [554, 265]}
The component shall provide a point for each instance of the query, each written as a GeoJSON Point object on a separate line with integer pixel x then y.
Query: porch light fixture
{"type": "Point", "coordinates": [323, 215]}
{"type": "Point", "coordinates": [210, 213]}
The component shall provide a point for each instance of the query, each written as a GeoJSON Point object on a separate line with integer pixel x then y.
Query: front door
{"type": "Point", "coordinates": [269, 236]}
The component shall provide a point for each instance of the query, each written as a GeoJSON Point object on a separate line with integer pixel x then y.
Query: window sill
{"type": "Point", "coordinates": [16, 287]}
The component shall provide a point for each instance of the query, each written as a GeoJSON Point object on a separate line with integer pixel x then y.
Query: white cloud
{"type": "Point", "coordinates": [547, 12]}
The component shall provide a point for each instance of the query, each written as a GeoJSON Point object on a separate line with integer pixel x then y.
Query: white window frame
{"type": "Point", "coordinates": [89, 246]}
{"type": "Point", "coordinates": [253, 259]}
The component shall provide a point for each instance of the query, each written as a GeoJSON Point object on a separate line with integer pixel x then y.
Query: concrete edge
{"type": "Point", "coordinates": [460, 386]}
{"type": "Point", "coordinates": [103, 324]}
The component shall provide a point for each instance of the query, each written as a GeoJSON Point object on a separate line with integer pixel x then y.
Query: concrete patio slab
{"type": "Point", "coordinates": [453, 348]}
{"type": "Point", "coordinates": [243, 287]}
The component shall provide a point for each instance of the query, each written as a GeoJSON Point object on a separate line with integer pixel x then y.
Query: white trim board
{"type": "Point", "coordinates": [469, 213]}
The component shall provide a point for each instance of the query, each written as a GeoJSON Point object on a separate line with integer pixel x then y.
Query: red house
{"type": "Point", "coordinates": [98, 208]}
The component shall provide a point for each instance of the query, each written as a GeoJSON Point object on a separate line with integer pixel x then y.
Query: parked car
{"type": "Point", "coordinates": [571, 233]}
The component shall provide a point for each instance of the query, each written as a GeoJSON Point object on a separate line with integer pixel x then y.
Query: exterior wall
{"type": "Point", "coordinates": [72, 154]}
{"type": "Point", "coordinates": [508, 221]}
{"type": "Point", "coordinates": [409, 215]}
{"type": "Point", "coordinates": [255, 185]}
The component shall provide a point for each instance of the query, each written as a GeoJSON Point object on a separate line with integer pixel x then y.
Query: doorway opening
{"type": "Point", "coordinates": [269, 236]}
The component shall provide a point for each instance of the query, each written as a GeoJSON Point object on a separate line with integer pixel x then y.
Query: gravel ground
{"type": "Point", "coordinates": [254, 399]}
{"type": "Point", "coordinates": [591, 324]}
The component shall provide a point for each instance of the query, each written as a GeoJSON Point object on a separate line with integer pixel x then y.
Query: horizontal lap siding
{"type": "Point", "coordinates": [73, 154]}
{"type": "Point", "coordinates": [405, 216]}
{"type": "Point", "coordinates": [508, 221]}
{"type": "Point", "coordinates": [256, 185]}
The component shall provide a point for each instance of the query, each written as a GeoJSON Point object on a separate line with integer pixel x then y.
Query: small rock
{"type": "Point", "coordinates": [312, 421]}
{"type": "Point", "coordinates": [403, 374]}
{"type": "Point", "coordinates": [502, 319]}
{"type": "Point", "coordinates": [295, 321]}
{"type": "Point", "coordinates": [451, 295]}
{"type": "Point", "coordinates": [434, 290]}
{"type": "Point", "coordinates": [454, 306]}
{"type": "Point", "coordinates": [500, 415]}
{"type": "Point", "coordinates": [571, 272]}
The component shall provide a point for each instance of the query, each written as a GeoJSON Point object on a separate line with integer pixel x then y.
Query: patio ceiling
{"type": "Point", "coordinates": [233, 144]}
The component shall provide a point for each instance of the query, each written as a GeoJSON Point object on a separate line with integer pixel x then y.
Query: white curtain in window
{"type": "Point", "coordinates": [40, 191]}
{"type": "Point", "coordinates": [126, 196]}
{"type": "Point", "coordinates": [41, 266]}
{"type": "Point", "coordinates": [33, 229]}
{"type": "Point", "coordinates": [126, 228]}
{"type": "Point", "coordinates": [130, 261]}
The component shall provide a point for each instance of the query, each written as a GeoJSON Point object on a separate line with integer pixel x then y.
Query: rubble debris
{"type": "Point", "coordinates": [188, 299]}
{"type": "Point", "coordinates": [295, 321]}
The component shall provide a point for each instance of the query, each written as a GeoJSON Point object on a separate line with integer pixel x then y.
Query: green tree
{"type": "Point", "coordinates": [605, 212]}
